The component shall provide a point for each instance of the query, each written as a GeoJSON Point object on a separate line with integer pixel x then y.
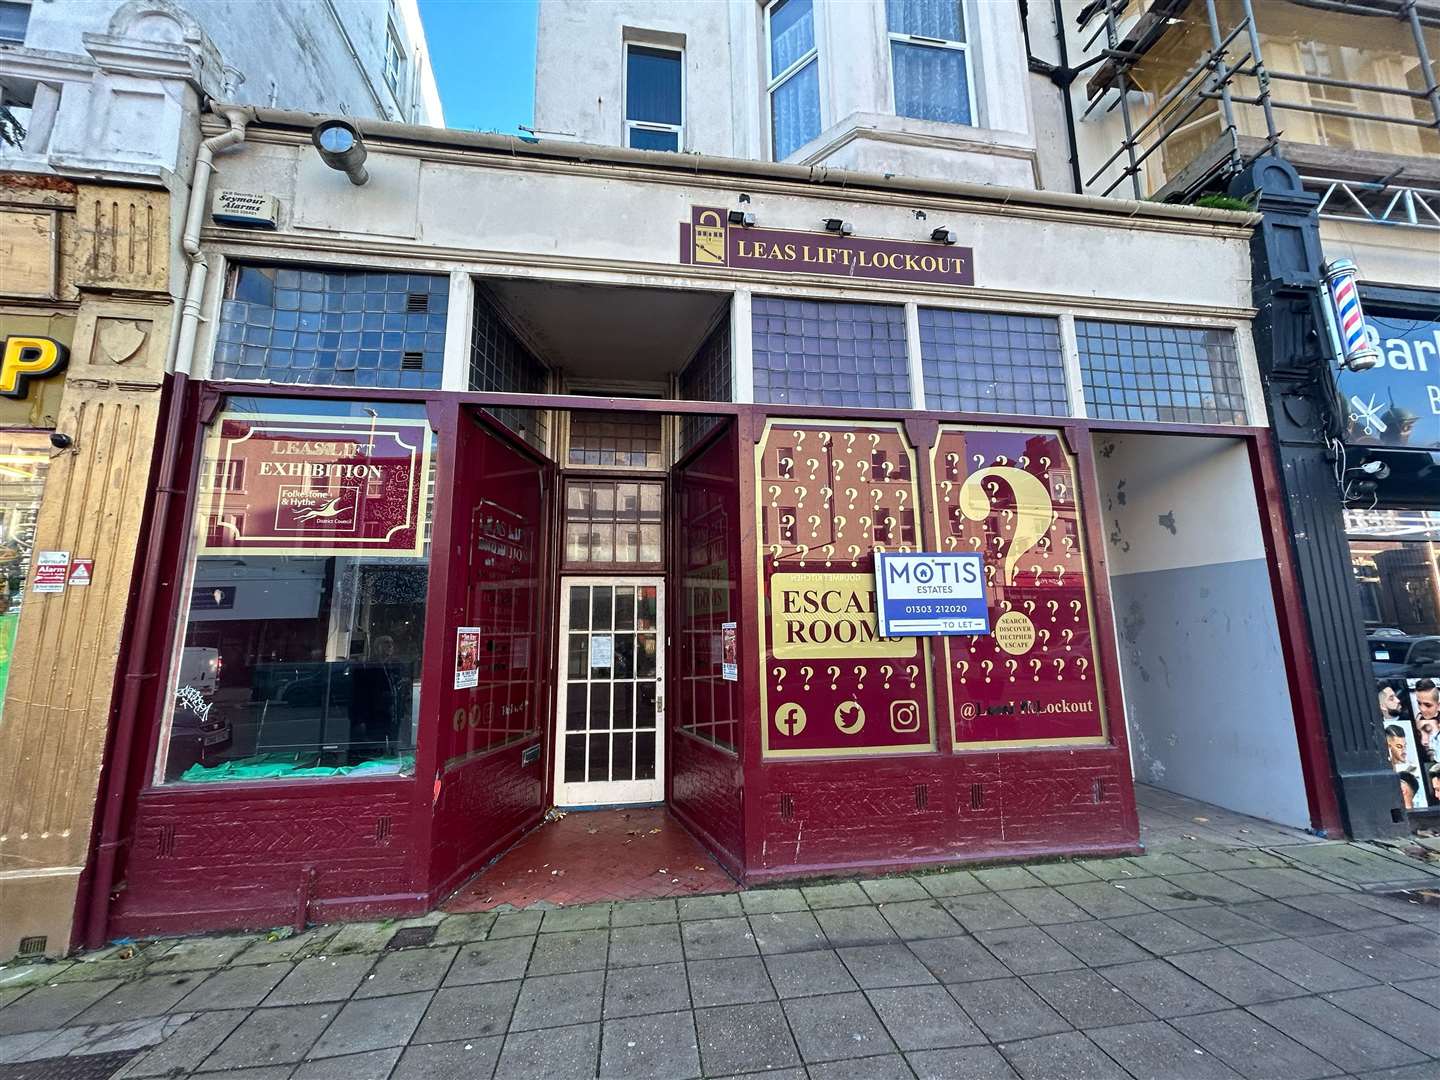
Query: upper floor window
{"type": "Point", "coordinates": [14, 18]}
{"type": "Point", "coordinates": [930, 60]}
{"type": "Point", "coordinates": [793, 81]}
{"type": "Point", "coordinates": [394, 61]}
{"type": "Point", "coordinates": [654, 98]}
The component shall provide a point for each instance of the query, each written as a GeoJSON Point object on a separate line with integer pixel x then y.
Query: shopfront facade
{"type": "Point", "coordinates": [530, 475]}
{"type": "Point", "coordinates": [84, 330]}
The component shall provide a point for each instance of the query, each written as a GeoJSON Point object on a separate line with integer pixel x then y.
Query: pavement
{"type": "Point", "coordinates": [1255, 952]}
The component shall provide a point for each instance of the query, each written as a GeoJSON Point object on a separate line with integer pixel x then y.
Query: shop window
{"type": "Point", "coordinates": [708, 377]}
{"type": "Point", "coordinates": [793, 76]}
{"type": "Point", "coordinates": [978, 362]}
{"type": "Point", "coordinates": [302, 626]}
{"type": "Point", "coordinates": [930, 60]}
{"type": "Point", "coordinates": [612, 522]}
{"type": "Point", "coordinates": [333, 327]}
{"type": "Point", "coordinates": [500, 363]}
{"type": "Point", "coordinates": [813, 352]}
{"type": "Point", "coordinates": [614, 440]}
{"type": "Point", "coordinates": [654, 98]}
{"type": "Point", "coordinates": [1172, 374]}
{"type": "Point", "coordinates": [24, 461]}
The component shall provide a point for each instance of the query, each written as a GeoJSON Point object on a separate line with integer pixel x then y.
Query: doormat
{"type": "Point", "coordinates": [82, 1067]}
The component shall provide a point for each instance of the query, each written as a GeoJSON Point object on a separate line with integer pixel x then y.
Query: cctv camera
{"type": "Point", "coordinates": [60, 441]}
{"type": "Point", "coordinates": [1363, 360]}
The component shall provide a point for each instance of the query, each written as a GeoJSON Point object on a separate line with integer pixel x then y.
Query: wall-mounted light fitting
{"type": "Point", "coordinates": [944, 235]}
{"type": "Point", "coordinates": [836, 225]}
{"type": "Point", "coordinates": [742, 217]}
{"type": "Point", "coordinates": [342, 149]}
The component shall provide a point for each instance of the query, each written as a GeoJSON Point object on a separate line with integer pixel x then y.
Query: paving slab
{"type": "Point", "coordinates": [769, 901]}
{"type": "Point", "coordinates": [1067, 1054]}
{"type": "Point", "coordinates": [916, 920]}
{"type": "Point", "coordinates": [240, 987]}
{"type": "Point", "coordinates": [460, 929]}
{"type": "Point", "coordinates": [733, 981]}
{"type": "Point", "coordinates": [984, 911]}
{"type": "Point", "coordinates": [715, 939]}
{"type": "Point", "coordinates": [643, 913]}
{"type": "Point", "coordinates": [893, 890]}
{"type": "Point", "coordinates": [1104, 899]}
{"type": "Point", "coordinates": [287, 946]}
{"type": "Point", "coordinates": [373, 1024]}
{"type": "Point", "coordinates": [1252, 1047]}
{"type": "Point", "coordinates": [369, 1065]}
{"type": "Point", "coordinates": [1163, 989]}
{"type": "Point", "coordinates": [321, 978]}
{"type": "Point", "coordinates": [1340, 1038]}
{"type": "Point", "coordinates": [1223, 925]}
{"type": "Point", "coordinates": [1160, 934]}
{"type": "Point", "coordinates": [809, 973]}
{"type": "Point", "coordinates": [923, 1018]}
{"type": "Point", "coordinates": [885, 965]}
{"type": "Point", "coordinates": [465, 1060]}
{"type": "Point", "coordinates": [645, 945]}
{"type": "Point", "coordinates": [879, 1067]}
{"type": "Point", "coordinates": [637, 991]}
{"type": "Point", "coordinates": [515, 924]}
{"type": "Point", "coordinates": [787, 931]}
{"type": "Point", "coordinates": [585, 917]}
{"type": "Point", "coordinates": [720, 906]}
{"type": "Point", "coordinates": [569, 951]}
{"type": "Point", "coordinates": [1028, 950]}
{"type": "Point", "coordinates": [1342, 911]}
{"type": "Point", "coordinates": [1087, 1000]}
{"type": "Point", "coordinates": [957, 960]}
{"type": "Point", "coordinates": [1061, 873]}
{"type": "Point", "coordinates": [1306, 967]}
{"type": "Point", "coordinates": [199, 954]}
{"type": "Point", "coordinates": [972, 1063]}
{"type": "Point", "coordinates": [661, 1046]}
{"type": "Point", "coordinates": [1007, 1009]}
{"type": "Point", "coordinates": [950, 883]}
{"type": "Point", "coordinates": [559, 1000]}
{"type": "Point", "coordinates": [47, 1007]}
{"type": "Point", "coordinates": [838, 894]}
{"type": "Point", "coordinates": [468, 1012]}
{"type": "Point", "coordinates": [551, 1054]}
{"type": "Point", "coordinates": [407, 971]}
{"type": "Point", "coordinates": [1396, 1013]}
{"type": "Point", "coordinates": [1236, 977]}
{"type": "Point", "coordinates": [492, 960]}
{"type": "Point", "coordinates": [1044, 906]}
{"type": "Point", "coordinates": [836, 1026]}
{"type": "Point", "coordinates": [271, 1037]}
{"type": "Point", "coordinates": [1157, 1050]}
{"type": "Point", "coordinates": [744, 1039]}
{"type": "Point", "coordinates": [853, 926]}
{"type": "Point", "coordinates": [1370, 957]}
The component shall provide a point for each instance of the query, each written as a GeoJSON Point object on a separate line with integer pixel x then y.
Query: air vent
{"type": "Point", "coordinates": [417, 303]}
{"type": "Point", "coordinates": [383, 828]}
{"type": "Point", "coordinates": [787, 808]}
{"type": "Point", "coordinates": [32, 946]}
{"type": "Point", "coordinates": [412, 361]}
{"type": "Point", "coordinates": [922, 796]}
{"type": "Point", "coordinates": [165, 842]}
{"type": "Point", "coordinates": [977, 797]}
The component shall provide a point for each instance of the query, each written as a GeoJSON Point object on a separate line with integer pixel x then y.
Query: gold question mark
{"type": "Point", "coordinates": [799, 438]}
{"type": "Point", "coordinates": [975, 542]}
{"type": "Point", "coordinates": [806, 671]}
{"type": "Point", "coordinates": [825, 494]}
{"type": "Point", "coordinates": [1059, 575]}
{"type": "Point", "coordinates": [1069, 636]}
{"type": "Point", "coordinates": [951, 542]}
{"type": "Point", "coordinates": [1075, 606]}
{"type": "Point", "coordinates": [854, 550]}
{"type": "Point", "coordinates": [775, 550]}
{"type": "Point", "coordinates": [1059, 668]}
{"type": "Point", "coordinates": [774, 494]}
{"type": "Point", "coordinates": [849, 440]}
{"type": "Point", "coordinates": [829, 550]}
{"type": "Point", "coordinates": [1010, 667]}
{"type": "Point", "coordinates": [1082, 664]}
{"type": "Point", "coordinates": [814, 520]}
{"type": "Point", "coordinates": [887, 670]}
{"type": "Point", "coordinates": [1054, 606]}
{"type": "Point", "coordinates": [964, 666]}
{"type": "Point", "coordinates": [874, 438]}
{"type": "Point", "coordinates": [840, 522]}
{"type": "Point", "coordinates": [1044, 638]}
{"type": "Point", "coordinates": [1035, 666]}
{"type": "Point", "coordinates": [779, 673]}
{"type": "Point", "coordinates": [1029, 607]}
{"type": "Point", "coordinates": [1035, 512]}
{"type": "Point", "coordinates": [850, 494]}
{"type": "Point", "coordinates": [888, 466]}
{"type": "Point", "coordinates": [804, 550]}
{"type": "Point", "coordinates": [859, 677]}
{"type": "Point", "coordinates": [988, 666]}
{"type": "Point", "coordinates": [834, 673]}
{"type": "Point", "coordinates": [814, 464]}
{"type": "Point", "coordinates": [912, 670]}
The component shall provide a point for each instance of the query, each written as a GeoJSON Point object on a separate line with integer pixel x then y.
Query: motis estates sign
{"type": "Point", "coordinates": [708, 239]}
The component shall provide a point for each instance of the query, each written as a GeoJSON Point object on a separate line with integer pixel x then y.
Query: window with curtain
{"type": "Point", "coordinates": [930, 60]}
{"type": "Point", "coordinates": [654, 102]}
{"type": "Point", "coordinates": [794, 76]}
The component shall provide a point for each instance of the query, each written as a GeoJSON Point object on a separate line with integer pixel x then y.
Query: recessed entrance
{"type": "Point", "coordinates": [610, 715]}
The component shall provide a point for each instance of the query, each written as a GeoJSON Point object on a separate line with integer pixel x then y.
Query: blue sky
{"type": "Point", "coordinates": [483, 52]}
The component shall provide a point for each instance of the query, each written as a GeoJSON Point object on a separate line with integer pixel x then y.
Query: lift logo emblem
{"type": "Point", "coordinates": [26, 358]}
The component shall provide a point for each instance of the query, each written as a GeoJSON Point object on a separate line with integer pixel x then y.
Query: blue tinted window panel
{"type": "Point", "coordinates": [652, 85]}
{"type": "Point", "coordinates": [1160, 373]}
{"type": "Point", "coordinates": [930, 83]}
{"type": "Point", "coordinates": [790, 365]}
{"type": "Point", "coordinates": [969, 365]}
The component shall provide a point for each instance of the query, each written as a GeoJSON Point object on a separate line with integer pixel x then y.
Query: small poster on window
{"type": "Point", "coordinates": [467, 657]}
{"type": "Point", "coordinates": [729, 652]}
{"type": "Point", "coordinates": [51, 570]}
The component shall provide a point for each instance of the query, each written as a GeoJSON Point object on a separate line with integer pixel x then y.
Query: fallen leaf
{"type": "Point", "coordinates": [662, 870]}
{"type": "Point", "coordinates": [700, 868]}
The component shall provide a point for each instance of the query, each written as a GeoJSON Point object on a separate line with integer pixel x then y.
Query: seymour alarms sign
{"type": "Point", "coordinates": [707, 239]}
{"type": "Point", "coordinates": [313, 485]}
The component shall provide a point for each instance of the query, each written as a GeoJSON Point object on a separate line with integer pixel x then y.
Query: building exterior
{"type": "Point", "coordinates": [99, 106]}
{"type": "Point", "coordinates": [478, 514]}
{"type": "Point", "coordinates": [1327, 118]}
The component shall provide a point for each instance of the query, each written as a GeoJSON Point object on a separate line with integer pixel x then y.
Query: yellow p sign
{"type": "Point", "coordinates": [27, 358]}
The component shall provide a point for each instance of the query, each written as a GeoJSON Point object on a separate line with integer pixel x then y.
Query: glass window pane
{"type": "Point", "coordinates": [646, 616]}
{"type": "Point", "coordinates": [652, 85]}
{"type": "Point", "coordinates": [599, 706]}
{"type": "Point", "coordinates": [26, 460]}
{"type": "Point", "coordinates": [970, 364]}
{"type": "Point", "coordinates": [624, 656]}
{"type": "Point", "coordinates": [579, 607]}
{"type": "Point", "coordinates": [645, 755]}
{"type": "Point", "coordinates": [625, 607]}
{"type": "Point", "coordinates": [601, 607]}
{"type": "Point", "coordinates": [602, 543]}
{"type": "Point", "coordinates": [627, 543]}
{"type": "Point", "coordinates": [795, 110]}
{"type": "Point", "coordinates": [599, 758]}
{"type": "Point", "coordinates": [622, 758]}
{"type": "Point", "coordinates": [930, 83]}
{"type": "Point", "coordinates": [792, 33]}
{"type": "Point", "coordinates": [576, 707]}
{"type": "Point", "coordinates": [1192, 375]}
{"type": "Point", "coordinates": [579, 656]}
{"type": "Point", "coordinates": [650, 500]}
{"type": "Point", "coordinates": [649, 543]}
{"type": "Point", "coordinates": [645, 656]}
{"type": "Point", "coordinates": [646, 139]}
{"type": "Point", "coordinates": [575, 758]}
{"type": "Point", "coordinates": [928, 18]}
{"type": "Point", "coordinates": [14, 18]}
{"type": "Point", "coordinates": [623, 714]}
{"type": "Point", "coordinates": [860, 347]}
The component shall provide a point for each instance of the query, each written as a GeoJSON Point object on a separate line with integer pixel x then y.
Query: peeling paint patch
{"type": "Point", "coordinates": [1132, 624]}
{"type": "Point", "coordinates": [1120, 495]}
{"type": "Point", "coordinates": [1167, 521]}
{"type": "Point", "coordinates": [1118, 538]}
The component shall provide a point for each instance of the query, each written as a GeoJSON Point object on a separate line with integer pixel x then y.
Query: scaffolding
{"type": "Point", "coordinates": [1233, 54]}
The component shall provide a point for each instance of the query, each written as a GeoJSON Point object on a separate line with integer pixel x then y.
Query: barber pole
{"type": "Point", "coordinates": [1356, 349]}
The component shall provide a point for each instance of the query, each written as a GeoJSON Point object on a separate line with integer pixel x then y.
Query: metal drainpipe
{"type": "Point", "coordinates": [111, 807]}
{"type": "Point", "coordinates": [1069, 78]}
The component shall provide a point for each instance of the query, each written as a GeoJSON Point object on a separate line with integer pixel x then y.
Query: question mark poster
{"type": "Point", "coordinates": [1010, 495]}
{"type": "Point", "coordinates": [830, 497]}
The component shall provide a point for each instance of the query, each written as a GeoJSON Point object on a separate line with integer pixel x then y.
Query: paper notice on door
{"type": "Point", "coordinates": [467, 657]}
{"type": "Point", "coordinates": [729, 652]}
{"type": "Point", "coordinates": [602, 650]}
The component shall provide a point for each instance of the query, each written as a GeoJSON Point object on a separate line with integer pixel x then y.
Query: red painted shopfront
{"type": "Point", "coordinates": [831, 750]}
